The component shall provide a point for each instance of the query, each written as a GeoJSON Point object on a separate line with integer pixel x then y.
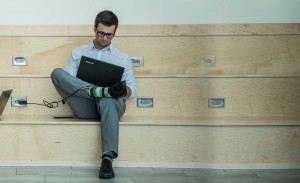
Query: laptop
{"type": "Point", "coordinates": [98, 72]}
{"type": "Point", "coordinates": [4, 99]}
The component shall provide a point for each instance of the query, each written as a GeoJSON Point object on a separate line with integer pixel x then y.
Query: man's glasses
{"type": "Point", "coordinates": [102, 34]}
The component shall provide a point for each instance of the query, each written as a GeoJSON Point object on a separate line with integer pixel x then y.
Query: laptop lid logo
{"type": "Point", "coordinates": [89, 62]}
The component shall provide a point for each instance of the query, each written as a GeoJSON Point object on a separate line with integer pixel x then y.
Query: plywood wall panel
{"type": "Point", "coordinates": [153, 30]}
{"type": "Point", "coordinates": [167, 56]}
{"type": "Point", "coordinates": [184, 97]}
{"type": "Point", "coordinates": [164, 143]}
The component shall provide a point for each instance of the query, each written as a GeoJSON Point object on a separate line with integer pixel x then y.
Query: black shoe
{"type": "Point", "coordinates": [106, 170]}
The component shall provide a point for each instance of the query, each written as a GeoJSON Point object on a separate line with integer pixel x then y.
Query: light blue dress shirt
{"type": "Point", "coordinates": [109, 54]}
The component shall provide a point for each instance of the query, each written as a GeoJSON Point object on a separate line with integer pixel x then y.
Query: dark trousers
{"type": "Point", "coordinates": [108, 110]}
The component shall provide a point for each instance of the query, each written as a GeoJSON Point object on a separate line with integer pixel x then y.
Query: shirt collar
{"type": "Point", "coordinates": [92, 46]}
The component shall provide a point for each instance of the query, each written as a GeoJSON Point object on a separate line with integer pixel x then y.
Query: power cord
{"type": "Point", "coordinates": [53, 104]}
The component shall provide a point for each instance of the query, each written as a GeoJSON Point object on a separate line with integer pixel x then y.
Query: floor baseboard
{"type": "Point", "coordinates": [156, 164]}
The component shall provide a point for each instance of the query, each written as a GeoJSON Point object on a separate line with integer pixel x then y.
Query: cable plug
{"type": "Point", "coordinates": [22, 102]}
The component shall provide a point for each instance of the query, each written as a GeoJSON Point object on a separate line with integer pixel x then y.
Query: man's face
{"type": "Point", "coordinates": [104, 35]}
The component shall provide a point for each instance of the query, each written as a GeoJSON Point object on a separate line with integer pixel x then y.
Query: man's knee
{"type": "Point", "coordinates": [105, 102]}
{"type": "Point", "coordinates": [56, 76]}
{"type": "Point", "coordinates": [111, 105]}
{"type": "Point", "coordinates": [55, 73]}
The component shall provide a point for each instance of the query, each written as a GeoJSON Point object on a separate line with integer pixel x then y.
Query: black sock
{"type": "Point", "coordinates": [108, 155]}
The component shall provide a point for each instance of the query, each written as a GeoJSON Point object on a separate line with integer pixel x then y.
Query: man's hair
{"type": "Point", "coordinates": [107, 18]}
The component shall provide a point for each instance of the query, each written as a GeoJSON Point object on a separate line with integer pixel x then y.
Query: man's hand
{"type": "Point", "coordinates": [118, 90]}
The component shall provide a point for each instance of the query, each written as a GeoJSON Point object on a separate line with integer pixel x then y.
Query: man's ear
{"type": "Point", "coordinates": [95, 28]}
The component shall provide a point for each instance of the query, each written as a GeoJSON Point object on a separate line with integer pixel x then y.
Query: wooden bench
{"type": "Point", "coordinates": [255, 67]}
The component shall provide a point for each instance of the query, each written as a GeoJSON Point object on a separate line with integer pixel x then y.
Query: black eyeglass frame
{"type": "Point", "coordinates": [102, 34]}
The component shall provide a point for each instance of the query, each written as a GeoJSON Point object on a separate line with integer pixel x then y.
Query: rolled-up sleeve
{"type": "Point", "coordinates": [73, 63]}
{"type": "Point", "coordinates": [129, 77]}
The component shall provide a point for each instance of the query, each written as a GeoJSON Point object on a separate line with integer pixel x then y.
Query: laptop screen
{"type": "Point", "coordinates": [98, 72]}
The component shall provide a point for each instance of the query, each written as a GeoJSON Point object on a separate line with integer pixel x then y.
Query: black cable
{"type": "Point", "coordinates": [54, 104]}
{"type": "Point", "coordinates": [48, 104]}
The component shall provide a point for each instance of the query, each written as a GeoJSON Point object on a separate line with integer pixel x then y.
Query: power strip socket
{"type": "Point", "coordinates": [19, 101]}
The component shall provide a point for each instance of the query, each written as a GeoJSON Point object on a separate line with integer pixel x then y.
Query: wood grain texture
{"type": "Point", "coordinates": [235, 56]}
{"type": "Point", "coordinates": [185, 97]}
{"type": "Point", "coordinates": [257, 71]}
{"type": "Point", "coordinates": [156, 120]}
{"type": "Point", "coordinates": [153, 143]}
{"type": "Point", "coordinates": [153, 30]}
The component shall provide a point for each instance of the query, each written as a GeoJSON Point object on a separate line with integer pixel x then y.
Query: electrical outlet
{"type": "Point", "coordinates": [137, 61]}
{"type": "Point", "coordinates": [16, 99]}
{"type": "Point", "coordinates": [145, 102]}
{"type": "Point", "coordinates": [210, 61]}
{"type": "Point", "coordinates": [19, 61]}
{"type": "Point", "coordinates": [216, 102]}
